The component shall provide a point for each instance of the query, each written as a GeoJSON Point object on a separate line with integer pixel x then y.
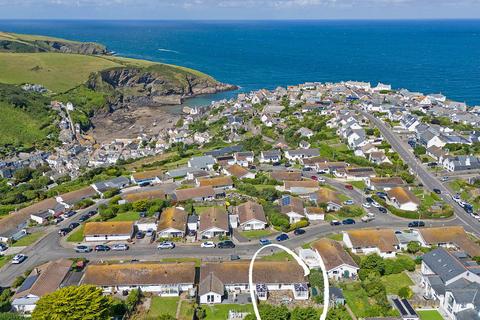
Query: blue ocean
{"type": "Point", "coordinates": [427, 56]}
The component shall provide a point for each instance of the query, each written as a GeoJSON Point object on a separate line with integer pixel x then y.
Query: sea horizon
{"type": "Point", "coordinates": [425, 55]}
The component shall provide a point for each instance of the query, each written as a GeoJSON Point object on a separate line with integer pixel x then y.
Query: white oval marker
{"type": "Point", "coordinates": [326, 291]}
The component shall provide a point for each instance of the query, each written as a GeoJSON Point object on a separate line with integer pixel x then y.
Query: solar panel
{"type": "Point", "coordinates": [28, 283]}
{"type": "Point", "coordinates": [400, 307]}
{"type": "Point", "coordinates": [285, 201]}
{"type": "Point", "coordinates": [408, 306]}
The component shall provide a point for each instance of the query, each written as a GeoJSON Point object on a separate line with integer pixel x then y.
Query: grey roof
{"type": "Point", "coordinates": [115, 183]}
{"type": "Point", "coordinates": [436, 283]}
{"type": "Point", "coordinates": [271, 153]}
{"type": "Point", "coordinates": [305, 152]}
{"type": "Point", "coordinates": [225, 150]}
{"type": "Point", "coordinates": [180, 172]}
{"type": "Point", "coordinates": [211, 283]}
{"type": "Point", "coordinates": [201, 161]}
{"type": "Point", "coordinates": [443, 264]}
{"type": "Point", "coordinates": [469, 314]}
{"type": "Point", "coordinates": [465, 292]}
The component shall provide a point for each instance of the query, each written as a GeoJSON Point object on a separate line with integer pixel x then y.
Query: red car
{"type": "Point", "coordinates": [349, 187]}
{"type": "Point", "coordinates": [314, 178]}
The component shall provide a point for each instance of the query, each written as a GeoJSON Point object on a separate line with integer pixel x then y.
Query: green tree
{"type": "Point", "coordinates": [75, 302]}
{"type": "Point", "coordinates": [11, 316]}
{"type": "Point", "coordinates": [338, 313]}
{"type": "Point", "coordinates": [166, 316]}
{"type": "Point", "coordinates": [405, 292]}
{"type": "Point", "coordinates": [23, 174]}
{"type": "Point", "coordinates": [308, 313]}
{"type": "Point", "coordinates": [133, 298]}
{"type": "Point", "coordinates": [374, 262]}
{"type": "Point", "coordinates": [413, 247]}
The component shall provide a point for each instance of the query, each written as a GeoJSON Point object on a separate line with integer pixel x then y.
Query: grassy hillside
{"type": "Point", "coordinates": [58, 72]}
{"type": "Point", "coordinates": [26, 120]}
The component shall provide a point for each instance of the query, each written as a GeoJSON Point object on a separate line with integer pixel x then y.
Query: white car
{"type": "Point", "coordinates": [19, 258]}
{"type": "Point", "coordinates": [321, 180]}
{"type": "Point", "coordinates": [366, 205]}
{"type": "Point", "coordinates": [166, 245]}
{"type": "Point", "coordinates": [208, 244]}
{"type": "Point", "coordinates": [376, 204]}
{"type": "Point", "coordinates": [120, 247]}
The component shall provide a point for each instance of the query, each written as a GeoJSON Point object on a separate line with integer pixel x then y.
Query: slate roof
{"type": "Point", "coordinates": [443, 264]}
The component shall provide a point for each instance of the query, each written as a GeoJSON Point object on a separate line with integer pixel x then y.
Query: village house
{"type": "Point", "coordinates": [213, 223]}
{"type": "Point", "coordinates": [244, 158]}
{"type": "Point", "coordinates": [436, 153]}
{"type": "Point", "coordinates": [452, 279]}
{"type": "Point", "coordinates": [223, 280]}
{"type": "Point", "coordinates": [239, 172]}
{"type": "Point", "coordinates": [378, 157]}
{"type": "Point", "coordinates": [41, 281]}
{"type": "Point", "coordinates": [356, 174]}
{"type": "Point", "coordinates": [143, 195]}
{"type": "Point", "coordinates": [367, 241]}
{"type": "Point", "coordinates": [282, 176]}
{"type": "Point", "coordinates": [460, 163]}
{"type": "Point", "coordinates": [453, 237]}
{"type": "Point", "coordinates": [196, 194]}
{"type": "Point", "coordinates": [293, 207]}
{"type": "Point", "coordinates": [69, 199]}
{"type": "Point", "coordinates": [314, 213]}
{"type": "Point", "coordinates": [328, 197]}
{"type": "Point", "coordinates": [108, 231]}
{"type": "Point", "coordinates": [221, 182]}
{"type": "Point", "coordinates": [384, 184]}
{"type": "Point", "coordinates": [148, 177]}
{"type": "Point", "coordinates": [338, 262]}
{"type": "Point", "coordinates": [305, 132]}
{"type": "Point", "coordinates": [172, 223]}
{"type": "Point", "coordinates": [115, 183]}
{"type": "Point", "coordinates": [163, 279]}
{"type": "Point", "coordinates": [202, 162]}
{"type": "Point", "coordinates": [249, 216]}
{"type": "Point", "coordinates": [403, 199]}
{"type": "Point", "coordinates": [270, 156]}
{"type": "Point", "coordinates": [301, 187]}
{"type": "Point", "coordinates": [298, 154]}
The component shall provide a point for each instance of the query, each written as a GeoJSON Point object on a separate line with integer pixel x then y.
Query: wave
{"type": "Point", "coordinates": [167, 50]}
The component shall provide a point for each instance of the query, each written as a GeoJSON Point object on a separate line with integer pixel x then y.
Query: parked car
{"type": "Point", "coordinates": [444, 179]}
{"type": "Point", "coordinates": [335, 223]}
{"type": "Point", "coordinates": [19, 258]}
{"type": "Point", "coordinates": [227, 244]}
{"type": "Point", "coordinates": [282, 237]}
{"type": "Point", "coordinates": [58, 220]}
{"type": "Point", "coordinates": [140, 235]}
{"type": "Point", "coordinates": [369, 217]}
{"type": "Point", "coordinates": [376, 204]}
{"type": "Point", "coordinates": [149, 232]}
{"type": "Point", "coordinates": [84, 218]}
{"type": "Point", "coordinates": [120, 247]}
{"type": "Point", "coordinates": [234, 257]}
{"type": "Point", "coordinates": [166, 245]}
{"type": "Point", "coordinates": [264, 242]}
{"type": "Point", "coordinates": [73, 225]}
{"type": "Point", "coordinates": [314, 178]}
{"type": "Point", "coordinates": [208, 244]}
{"type": "Point", "coordinates": [369, 200]}
{"type": "Point", "coordinates": [321, 180]}
{"type": "Point", "coordinates": [64, 231]}
{"type": "Point", "coordinates": [381, 194]}
{"type": "Point", "coordinates": [366, 205]}
{"type": "Point", "coordinates": [298, 232]}
{"type": "Point", "coordinates": [382, 209]}
{"type": "Point", "coordinates": [349, 187]}
{"type": "Point", "coordinates": [83, 249]}
{"type": "Point", "coordinates": [3, 247]}
{"type": "Point", "coordinates": [69, 214]}
{"type": "Point", "coordinates": [437, 191]}
{"type": "Point", "coordinates": [102, 247]}
{"type": "Point", "coordinates": [416, 224]}
{"type": "Point", "coordinates": [348, 202]}
{"type": "Point", "coordinates": [306, 169]}
{"type": "Point", "coordinates": [348, 221]}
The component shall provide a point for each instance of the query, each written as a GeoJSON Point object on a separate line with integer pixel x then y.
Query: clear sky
{"type": "Point", "coordinates": [239, 9]}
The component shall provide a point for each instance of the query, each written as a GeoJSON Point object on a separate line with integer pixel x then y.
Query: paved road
{"type": "Point", "coordinates": [429, 180]}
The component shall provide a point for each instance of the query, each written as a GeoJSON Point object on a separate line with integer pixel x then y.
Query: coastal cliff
{"type": "Point", "coordinates": [155, 85]}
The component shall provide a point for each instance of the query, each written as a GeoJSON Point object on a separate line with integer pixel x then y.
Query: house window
{"type": "Point", "coordinates": [210, 298]}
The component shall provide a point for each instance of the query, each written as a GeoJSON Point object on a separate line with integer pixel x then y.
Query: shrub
{"type": "Point", "coordinates": [405, 293]}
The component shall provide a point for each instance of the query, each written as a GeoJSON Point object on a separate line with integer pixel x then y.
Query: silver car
{"type": "Point", "coordinates": [120, 247]}
{"type": "Point", "coordinates": [166, 245]}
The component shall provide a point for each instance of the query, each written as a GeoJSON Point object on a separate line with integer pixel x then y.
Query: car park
{"type": "Point", "coordinates": [102, 247]}
{"type": "Point", "coordinates": [348, 202]}
{"type": "Point", "coordinates": [348, 221]}
{"type": "Point", "coordinates": [227, 244]}
{"type": "Point", "coordinates": [264, 241]}
{"type": "Point", "coordinates": [208, 244]}
{"type": "Point", "coordinates": [416, 224]}
{"type": "Point", "coordinates": [83, 249]}
{"type": "Point", "coordinates": [19, 258]}
{"type": "Point", "coordinates": [120, 247]}
{"type": "Point", "coordinates": [298, 232]}
{"type": "Point", "coordinates": [282, 237]}
{"type": "Point", "coordinates": [335, 223]}
{"type": "Point", "coordinates": [166, 245]}
{"type": "Point", "coordinates": [437, 191]}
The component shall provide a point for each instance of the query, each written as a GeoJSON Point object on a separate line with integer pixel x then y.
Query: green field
{"type": "Point", "coordinates": [56, 71]}
{"type": "Point", "coordinates": [429, 315]}
{"type": "Point", "coordinates": [28, 239]}
{"type": "Point", "coordinates": [220, 312]}
{"type": "Point", "coordinates": [160, 305]}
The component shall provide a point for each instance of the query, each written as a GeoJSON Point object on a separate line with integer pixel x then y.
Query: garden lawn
{"type": "Point", "coordinates": [394, 282]}
{"type": "Point", "coordinates": [429, 315]}
{"type": "Point", "coordinates": [356, 299]}
{"type": "Point", "coordinates": [220, 311]}
{"type": "Point", "coordinates": [160, 305]}
{"type": "Point", "coordinates": [28, 239]}
{"type": "Point", "coordinates": [126, 216]}
{"type": "Point", "coordinates": [357, 184]}
{"type": "Point", "coordinates": [253, 234]}
{"type": "Point", "coordinates": [76, 235]}
{"type": "Point", "coordinates": [186, 310]}
{"type": "Point", "coordinates": [201, 209]}
{"type": "Point", "coordinates": [336, 236]}
{"type": "Point", "coordinates": [278, 256]}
